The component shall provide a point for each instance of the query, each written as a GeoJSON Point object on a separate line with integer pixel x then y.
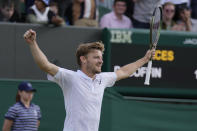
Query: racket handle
{"type": "Point", "coordinates": [148, 72]}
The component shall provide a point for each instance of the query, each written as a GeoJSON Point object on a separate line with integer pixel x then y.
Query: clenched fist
{"type": "Point", "coordinates": [30, 36]}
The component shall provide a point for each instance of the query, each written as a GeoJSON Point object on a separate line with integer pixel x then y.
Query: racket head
{"type": "Point", "coordinates": [155, 26]}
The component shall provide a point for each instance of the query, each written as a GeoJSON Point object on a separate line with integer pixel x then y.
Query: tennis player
{"type": "Point", "coordinates": [83, 89]}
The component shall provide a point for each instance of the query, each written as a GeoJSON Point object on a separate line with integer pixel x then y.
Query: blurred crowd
{"type": "Point", "coordinates": [179, 15]}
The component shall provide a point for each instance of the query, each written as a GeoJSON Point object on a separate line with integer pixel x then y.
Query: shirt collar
{"type": "Point", "coordinates": [81, 73]}
{"type": "Point", "coordinates": [24, 105]}
{"type": "Point", "coordinates": [115, 17]}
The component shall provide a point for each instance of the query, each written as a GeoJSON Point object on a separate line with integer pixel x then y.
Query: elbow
{"type": "Point", "coordinates": [45, 67]}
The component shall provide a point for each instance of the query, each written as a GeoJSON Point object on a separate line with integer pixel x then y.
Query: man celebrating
{"type": "Point", "coordinates": [83, 90]}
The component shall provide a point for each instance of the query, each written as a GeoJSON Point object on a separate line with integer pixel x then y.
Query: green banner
{"type": "Point", "coordinates": [174, 64]}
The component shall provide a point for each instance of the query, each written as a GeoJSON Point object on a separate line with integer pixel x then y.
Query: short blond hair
{"type": "Point", "coordinates": [85, 48]}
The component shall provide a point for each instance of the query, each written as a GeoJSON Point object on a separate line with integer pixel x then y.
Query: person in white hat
{"type": "Point", "coordinates": [40, 13]}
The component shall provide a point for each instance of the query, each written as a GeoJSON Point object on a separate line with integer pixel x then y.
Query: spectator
{"type": "Point", "coordinates": [40, 13]}
{"type": "Point", "coordinates": [168, 14]}
{"type": "Point", "coordinates": [85, 13]}
{"type": "Point", "coordinates": [184, 24]}
{"type": "Point", "coordinates": [28, 4]}
{"type": "Point", "coordinates": [179, 4]}
{"type": "Point", "coordinates": [63, 6]}
{"type": "Point", "coordinates": [116, 18]}
{"type": "Point", "coordinates": [8, 12]}
{"type": "Point", "coordinates": [130, 9]}
{"type": "Point", "coordinates": [143, 10]}
{"type": "Point", "coordinates": [23, 115]}
{"type": "Point", "coordinates": [193, 5]}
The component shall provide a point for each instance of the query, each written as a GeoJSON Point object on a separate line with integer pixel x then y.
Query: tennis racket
{"type": "Point", "coordinates": [154, 37]}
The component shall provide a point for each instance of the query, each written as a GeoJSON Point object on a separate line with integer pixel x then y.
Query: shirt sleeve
{"type": "Point", "coordinates": [11, 114]}
{"type": "Point", "coordinates": [62, 77]}
{"type": "Point", "coordinates": [109, 78]}
{"type": "Point", "coordinates": [39, 113]}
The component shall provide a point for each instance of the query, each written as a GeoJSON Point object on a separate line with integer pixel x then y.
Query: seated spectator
{"type": "Point", "coordinates": [179, 4]}
{"type": "Point", "coordinates": [85, 13]}
{"type": "Point", "coordinates": [143, 10]}
{"type": "Point", "coordinates": [8, 12]}
{"type": "Point", "coordinates": [168, 14]}
{"type": "Point", "coordinates": [63, 6]}
{"type": "Point", "coordinates": [184, 24]}
{"type": "Point", "coordinates": [40, 13]}
{"type": "Point", "coordinates": [116, 18]}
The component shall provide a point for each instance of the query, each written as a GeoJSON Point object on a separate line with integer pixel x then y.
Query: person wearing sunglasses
{"type": "Point", "coordinates": [168, 14]}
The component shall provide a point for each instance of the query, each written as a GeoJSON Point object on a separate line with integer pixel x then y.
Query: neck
{"type": "Point", "coordinates": [26, 103]}
{"type": "Point", "coordinates": [167, 21]}
{"type": "Point", "coordinates": [89, 74]}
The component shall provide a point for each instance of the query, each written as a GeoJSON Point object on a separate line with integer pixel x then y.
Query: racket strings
{"type": "Point", "coordinates": [156, 26]}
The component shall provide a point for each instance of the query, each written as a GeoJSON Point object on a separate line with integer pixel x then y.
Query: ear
{"type": "Point", "coordinates": [83, 59]}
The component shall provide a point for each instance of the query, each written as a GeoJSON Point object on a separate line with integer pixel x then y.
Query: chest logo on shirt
{"type": "Point", "coordinates": [35, 113]}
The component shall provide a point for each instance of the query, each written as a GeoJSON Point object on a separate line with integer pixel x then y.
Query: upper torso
{"type": "Point", "coordinates": [83, 98]}
{"type": "Point", "coordinates": [44, 17]}
{"type": "Point", "coordinates": [143, 10]}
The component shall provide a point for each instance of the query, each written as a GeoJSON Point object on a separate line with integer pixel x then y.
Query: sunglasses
{"type": "Point", "coordinates": [169, 11]}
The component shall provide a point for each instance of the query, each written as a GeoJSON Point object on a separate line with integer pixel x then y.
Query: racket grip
{"type": "Point", "coordinates": [148, 72]}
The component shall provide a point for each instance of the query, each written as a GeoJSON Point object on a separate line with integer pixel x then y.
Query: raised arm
{"type": "Point", "coordinates": [39, 57]}
{"type": "Point", "coordinates": [129, 69]}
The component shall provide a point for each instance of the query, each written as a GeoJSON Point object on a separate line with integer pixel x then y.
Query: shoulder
{"type": "Point", "coordinates": [15, 107]}
{"type": "Point", "coordinates": [37, 107]}
{"type": "Point", "coordinates": [30, 11]}
{"type": "Point", "coordinates": [67, 71]}
{"type": "Point", "coordinates": [107, 16]}
{"type": "Point", "coordinates": [126, 18]}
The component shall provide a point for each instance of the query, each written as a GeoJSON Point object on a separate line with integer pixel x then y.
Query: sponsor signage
{"type": "Point", "coordinates": [172, 66]}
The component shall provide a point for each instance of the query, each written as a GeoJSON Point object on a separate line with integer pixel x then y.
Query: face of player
{"type": "Point", "coordinates": [169, 11]}
{"type": "Point", "coordinates": [39, 4]}
{"type": "Point", "coordinates": [94, 61]}
{"type": "Point", "coordinates": [26, 96]}
{"type": "Point", "coordinates": [120, 7]}
{"type": "Point", "coordinates": [8, 11]}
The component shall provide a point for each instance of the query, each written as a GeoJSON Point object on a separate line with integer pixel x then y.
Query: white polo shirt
{"type": "Point", "coordinates": [83, 97]}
